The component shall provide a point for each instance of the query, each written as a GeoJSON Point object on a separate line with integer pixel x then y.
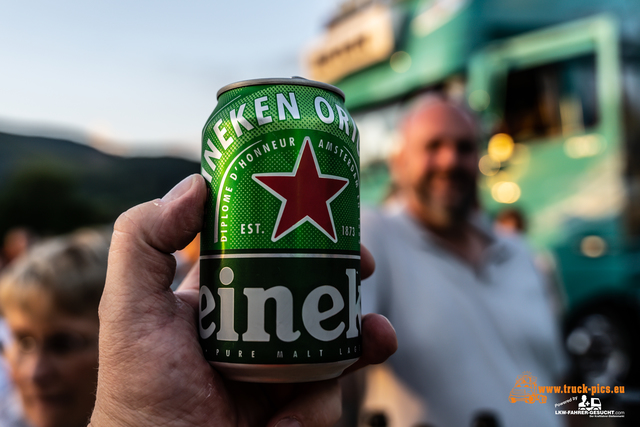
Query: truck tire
{"type": "Point", "coordinates": [601, 343]}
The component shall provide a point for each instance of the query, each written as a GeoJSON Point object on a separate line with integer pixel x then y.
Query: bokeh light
{"type": "Point", "coordinates": [500, 147]}
{"type": "Point", "coordinates": [505, 192]}
{"type": "Point", "coordinates": [400, 62]}
{"type": "Point", "coordinates": [479, 100]}
{"type": "Point", "coordinates": [593, 246]}
{"type": "Point", "coordinates": [488, 166]}
{"type": "Point", "coordinates": [584, 146]}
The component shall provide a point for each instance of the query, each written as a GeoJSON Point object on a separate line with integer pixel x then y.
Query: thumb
{"type": "Point", "coordinates": [145, 236]}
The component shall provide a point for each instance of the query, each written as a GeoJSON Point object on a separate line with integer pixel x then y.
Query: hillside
{"type": "Point", "coordinates": [54, 185]}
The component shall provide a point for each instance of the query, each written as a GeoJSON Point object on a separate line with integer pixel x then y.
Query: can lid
{"type": "Point", "coordinates": [295, 80]}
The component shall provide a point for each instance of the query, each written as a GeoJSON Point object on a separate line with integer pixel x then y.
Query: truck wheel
{"type": "Point", "coordinates": [602, 344]}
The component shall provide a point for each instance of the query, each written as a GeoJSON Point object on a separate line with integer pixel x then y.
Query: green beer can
{"type": "Point", "coordinates": [280, 245]}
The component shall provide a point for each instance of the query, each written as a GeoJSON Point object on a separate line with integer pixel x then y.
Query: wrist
{"type": "Point", "coordinates": [100, 418]}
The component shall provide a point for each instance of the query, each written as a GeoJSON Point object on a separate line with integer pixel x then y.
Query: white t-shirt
{"type": "Point", "coordinates": [464, 334]}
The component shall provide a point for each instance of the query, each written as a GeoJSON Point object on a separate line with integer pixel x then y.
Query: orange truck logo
{"type": "Point", "coordinates": [526, 389]}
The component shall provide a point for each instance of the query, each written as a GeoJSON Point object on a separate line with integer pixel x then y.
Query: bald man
{"type": "Point", "coordinates": [468, 306]}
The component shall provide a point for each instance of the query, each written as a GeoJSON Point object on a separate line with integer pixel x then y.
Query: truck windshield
{"type": "Point", "coordinates": [554, 99]}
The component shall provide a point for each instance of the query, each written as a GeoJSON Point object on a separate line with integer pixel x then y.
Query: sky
{"type": "Point", "coordinates": [141, 76]}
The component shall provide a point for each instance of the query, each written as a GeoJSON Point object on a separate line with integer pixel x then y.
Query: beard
{"type": "Point", "coordinates": [446, 199]}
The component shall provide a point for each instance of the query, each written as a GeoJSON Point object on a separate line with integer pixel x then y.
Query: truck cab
{"type": "Point", "coordinates": [556, 87]}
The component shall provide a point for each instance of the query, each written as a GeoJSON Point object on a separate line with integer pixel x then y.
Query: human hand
{"type": "Point", "coordinates": [152, 371]}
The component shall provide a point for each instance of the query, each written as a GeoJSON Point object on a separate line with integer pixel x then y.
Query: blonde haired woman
{"type": "Point", "coordinates": [49, 299]}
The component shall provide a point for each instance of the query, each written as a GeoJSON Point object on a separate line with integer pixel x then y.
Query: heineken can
{"type": "Point", "coordinates": [280, 245]}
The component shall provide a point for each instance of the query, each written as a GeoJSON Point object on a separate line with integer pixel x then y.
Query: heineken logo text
{"type": "Point", "coordinates": [286, 107]}
{"type": "Point", "coordinates": [254, 301]}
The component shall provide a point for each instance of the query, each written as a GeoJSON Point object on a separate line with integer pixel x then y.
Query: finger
{"type": "Point", "coordinates": [379, 341]}
{"type": "Point", "coordinates": [140, 260]}
{"type": "Point", "coordinates": [317, 404]}
{"type": "Point", "coordinates": [367, 263]}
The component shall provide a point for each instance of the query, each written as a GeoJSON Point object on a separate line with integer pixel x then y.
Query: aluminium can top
{"type": "Point", "coordinates": [299, 81]}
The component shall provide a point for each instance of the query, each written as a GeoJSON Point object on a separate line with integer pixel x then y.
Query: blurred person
{"type": "Point", "coordinates": [49, 299]}
{"type": "Point", "coordinates": [152, 370]}
{"type": "Point", "coordinates": [468, 305]}
{"type": "Point", "coordinates": [510, 222]}
{"type": "Point", "coordinates": [10, 413]}
{"type": "Point", "coordinates": [16, 242]}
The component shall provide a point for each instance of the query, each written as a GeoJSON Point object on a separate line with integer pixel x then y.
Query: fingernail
{"type": "Point", "coordinates": [181, 188]}
{"type": "Point", "coordinates": [289, 422]}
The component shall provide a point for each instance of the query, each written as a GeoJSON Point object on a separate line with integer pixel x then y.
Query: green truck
{"type": "Point", "coordinates": [556, 86]}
